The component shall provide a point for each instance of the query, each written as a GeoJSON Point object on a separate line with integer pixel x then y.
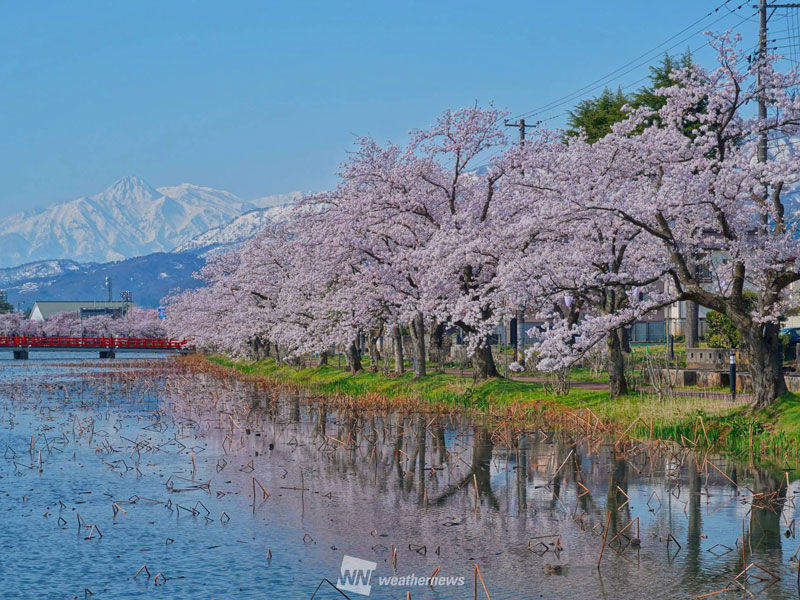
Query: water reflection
{"type": "Point", "coordinates": [765, 516]}
{"type": "Point", "coordinates": [442, 491]}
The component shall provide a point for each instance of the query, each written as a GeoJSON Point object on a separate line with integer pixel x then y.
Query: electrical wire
{"type": "Point", "coordinates": [747, 55]}
{"type": "Point", "coordinates": [615, 74]}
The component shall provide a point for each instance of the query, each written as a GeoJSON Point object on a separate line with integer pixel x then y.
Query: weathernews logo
{"type": "Point", "coordinates": [355, 576]}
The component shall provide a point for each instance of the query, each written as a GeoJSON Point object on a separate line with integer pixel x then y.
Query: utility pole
{"type": "Point", "coordinates": [519, 346]}
{"type": "Point", "coordinates": [691, 333]}
{"type": "Point", "coordinates": [762, 53]}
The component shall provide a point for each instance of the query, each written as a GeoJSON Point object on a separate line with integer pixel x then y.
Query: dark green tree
{"type": "Point", "coordinates": [661, 76]}
{"type": "Point", "coordinates": [595, 116]}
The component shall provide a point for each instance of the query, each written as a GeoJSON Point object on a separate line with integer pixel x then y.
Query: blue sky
{"type": "Point", "coordinates": [267, 97]}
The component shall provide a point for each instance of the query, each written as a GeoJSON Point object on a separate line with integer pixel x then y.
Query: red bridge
{"type": "Point", "coordinates": [106, 346]}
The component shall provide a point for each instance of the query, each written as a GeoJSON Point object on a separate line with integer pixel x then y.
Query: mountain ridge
{"type": "Point", "coordinates": [149, 278]}
{"type": "Point", "coordinates": [238, 229]}
{"type": "Point", "coordinates": [129, 218]}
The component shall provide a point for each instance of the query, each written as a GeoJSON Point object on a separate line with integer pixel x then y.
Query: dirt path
{"type": "Point", "coordinates": [601, 386]}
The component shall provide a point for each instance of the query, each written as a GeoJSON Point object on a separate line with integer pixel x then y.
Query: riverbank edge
{"type": "Point", "coordinates": [772, 434]}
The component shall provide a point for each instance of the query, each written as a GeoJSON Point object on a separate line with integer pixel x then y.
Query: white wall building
{"type": "Point", "coordinates": [43, 310]}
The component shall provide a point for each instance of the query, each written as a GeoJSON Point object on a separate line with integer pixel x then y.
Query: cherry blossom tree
{"type": "Point", "coordinates": [16, 323]}
{"type": "Point", "coordinates": [221, 316]}
{"type": "Point", "coordinates": [65, 323]}
{"type": "Point", "coordinates": [717, 201]}
{"type": "Point", "coordinates": [418, 234]}
{"type": "Point", "coordinates": [464, 210]}
{"type": "Point", "coordinates": [582, 271]}
{"type": "Point", "coordinates": [135, 322]}
{"type": "Point", "coordinates": [273, 292]}
{"type": "Point", "coordinates": [417, 219]}
{"type": "Point", "coordinates": [333, 297]}
{"type": "Point", "coordinates": [369, 237]}
{"type": "Point", "coordinates": [140, 323]}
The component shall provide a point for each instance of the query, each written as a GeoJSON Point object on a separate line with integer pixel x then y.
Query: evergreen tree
{"type": "Point", "coordinates": [595, 116]}
{"type": "Point", "coordinates": [661, 77]}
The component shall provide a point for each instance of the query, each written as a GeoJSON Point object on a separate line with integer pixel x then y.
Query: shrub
{"type": "Point", "coordinates": [720, 330]}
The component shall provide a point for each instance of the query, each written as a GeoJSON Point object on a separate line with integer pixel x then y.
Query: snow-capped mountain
{"type": "Point", "coordinates": [149, 278]}
{"type": "Point", "coordinates": [241, 228]}
{"type": "Point", "coordinates": [276, 200]}
{"type": "Point", "coordinates": [128, 219]}
{"type": "Point", "coordinates": [38, 269]}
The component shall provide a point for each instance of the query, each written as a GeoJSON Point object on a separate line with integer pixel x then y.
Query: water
{"type": "Point", "coordinates": [443, 492]}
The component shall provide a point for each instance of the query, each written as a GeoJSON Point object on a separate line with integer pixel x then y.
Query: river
{"type": "Point", "coordinates": [153, 478]}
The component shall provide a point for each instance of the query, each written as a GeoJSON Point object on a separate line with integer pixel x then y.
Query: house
{"type": "Point", "coordinates": [43, 310]}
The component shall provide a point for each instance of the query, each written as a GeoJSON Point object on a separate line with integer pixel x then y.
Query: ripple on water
{"type": "Point", "coordinates": [358, 485]}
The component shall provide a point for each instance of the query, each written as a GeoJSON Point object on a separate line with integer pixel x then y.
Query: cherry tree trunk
{"type": "Point", "coordinates": [374, 355]}
{"type": "Point", "coordinates": [259, 348]}
{"type": "Point", "coordinates": [397, 342]}
{"type": "Point", "coordinates": [323, 358]}
{"type": "Point", "coordinates": [418, 336]}
{"type": "Point", "coordinates": [762, 347]}
{"type": "Point", "coordinates": [616, 364]}
{"type": "Point", "coordinates": [353, 357]}
{"type": "Point", "coordinates": [692, 332]}
{"type": "Point", "coordinates": [483, 362]}
{"type": "Point", "coordinates": [437, 342]}
{"type": "Point", "coordinates": [437, 335]}
{"type": "Point", "coordinates": [254, 348]}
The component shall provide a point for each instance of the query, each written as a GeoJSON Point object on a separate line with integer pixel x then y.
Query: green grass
{"type": "Point", "coordinates": [435, 387]}
{"type": "Point", "coordinates": [783, 415]}
{"type": "Point", "coordinates": [771, 433]}
{"type": "Point", "coordinates": [454, 389]}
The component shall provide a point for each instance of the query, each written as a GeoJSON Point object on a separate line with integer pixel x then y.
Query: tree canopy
{"type": "Point", "coordinates": [615, 224]}
{"type": "Point", "coordinates": [594, 117]}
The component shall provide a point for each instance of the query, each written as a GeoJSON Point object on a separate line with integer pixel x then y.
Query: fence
{"type": "Point", "coordinates": [648, 331]}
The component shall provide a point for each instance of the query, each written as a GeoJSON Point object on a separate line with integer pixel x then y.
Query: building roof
{"type": "Point", "coordinates": [44, 309]}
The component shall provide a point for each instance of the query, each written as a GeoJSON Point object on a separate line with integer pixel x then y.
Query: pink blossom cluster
{"type": "Point", "coordinates": [458, 226]}
{"type": "Point", "coordinates": [136, 322]}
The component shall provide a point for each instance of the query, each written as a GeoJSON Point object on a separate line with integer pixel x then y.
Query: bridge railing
{"type": "Point", "coordinates": [66, 342]}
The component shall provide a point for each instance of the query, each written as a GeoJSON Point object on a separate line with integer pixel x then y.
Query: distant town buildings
{"type": "Point", "coordinates": [43, 310]}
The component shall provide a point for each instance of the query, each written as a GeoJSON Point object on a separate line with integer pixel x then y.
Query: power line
{"type": "Point", "coordinates": [605, 81]}
{"type": "Point", "coordinates": [615, 74]}
{"type": "Point", "coordinates": [747, 55]}
{"type": "Point", "coordinates": [740, 16]}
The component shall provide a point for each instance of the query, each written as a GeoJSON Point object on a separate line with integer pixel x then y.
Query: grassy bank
{"type": "Point", "coordinates": [772, 434]}
{"type": "Point", "coordinates": [435, 387]}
